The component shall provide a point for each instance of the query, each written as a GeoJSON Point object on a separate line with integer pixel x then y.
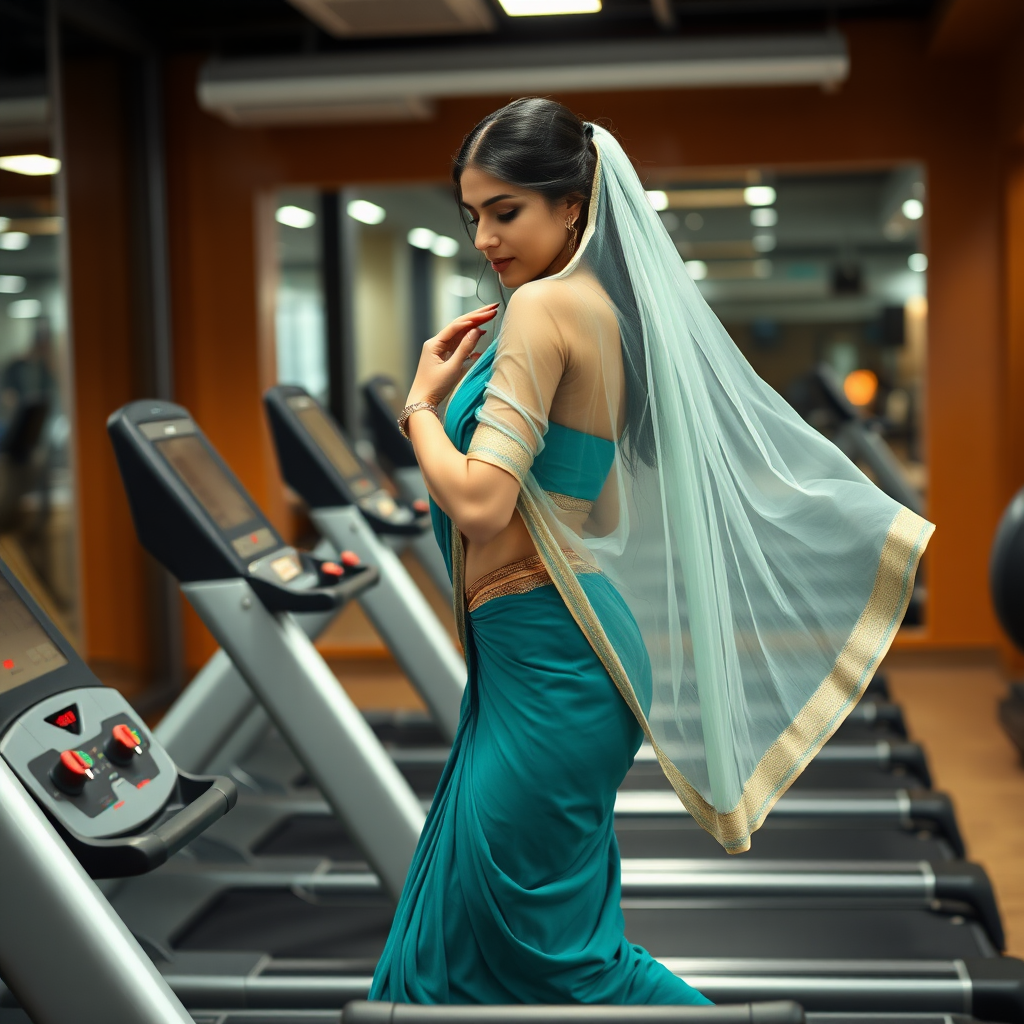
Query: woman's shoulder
{"type": "Point", "coordinates": [559, 297]}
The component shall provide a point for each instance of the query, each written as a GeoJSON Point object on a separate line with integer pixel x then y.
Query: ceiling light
{"type": "Point", "coordinates": [535, 8]}
{"type": "Point", "coordinates": [4, 223]}
{"type": "Point", "coordinates": [13, 240]}
{"type": "Point", "coordinates": [25, 309]}
{"type": "Point", "coordinates": [694, 221]}
{"type": "Point", "coordinates": [464, 287]}
{"type": "Point", "coordinates": [759, 195]}
{"type": "Point", "coordinates": [697, 269]}
{"type": "Point", "coordinates": [764, 217]}
{"type": "Point", "coordinates": [365, 212]}
{"type": "Point", "coordinates": [764, 242]}
{"type": "Point", "coordinates": [422, 238]}
{"type": "Point", "coordinates": [913, 209]}
{"type": "Point", "coordinates": [658, 199]}
{"type": "Point", "coordinates": [918, 262]}
{"type": "Point", "coordinates": [444, 246]}
{"type": "Point", "coordinates": [11, 284]}
{"type": "Point", "coordinates": [30, 163]}
{"type": "Point", "coordinates": [295, 217]}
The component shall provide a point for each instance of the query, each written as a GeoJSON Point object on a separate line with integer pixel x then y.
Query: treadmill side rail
{"type": "Point", "coordinates": [69, 949]}
{"type": "Point", "coordinates": [357, 777]}
{"type": "Point", "coordinates": [401, 614]}
{"type": "Point", "coordinates": [781, 1012]}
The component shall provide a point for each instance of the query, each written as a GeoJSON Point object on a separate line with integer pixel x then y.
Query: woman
{"type": "Point", "coordinates": [644, 540]}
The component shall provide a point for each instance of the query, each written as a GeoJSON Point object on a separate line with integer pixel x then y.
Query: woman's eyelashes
{"type": "Point", "coordinates": [505, 218]}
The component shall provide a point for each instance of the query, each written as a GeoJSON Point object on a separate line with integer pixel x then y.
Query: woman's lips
{"type": "Point", "coordinates": [500, 265]}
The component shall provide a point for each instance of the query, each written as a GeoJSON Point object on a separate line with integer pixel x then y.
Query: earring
{"type": "Point", "coordinates": [573, 235]}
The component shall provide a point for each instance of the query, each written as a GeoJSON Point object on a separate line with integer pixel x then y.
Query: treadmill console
{"type": "Point", "coordinates": [383, 405]}
{"type": "Point", "coordinates": [85, 756]}
{"type": "Point", "coordinates": [193, 515]}
{"type": "Point", "coordinates": [320, 465]}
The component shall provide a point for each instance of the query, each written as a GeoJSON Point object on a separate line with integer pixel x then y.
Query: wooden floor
{"type": "Point", "coordinates": [951, 710]}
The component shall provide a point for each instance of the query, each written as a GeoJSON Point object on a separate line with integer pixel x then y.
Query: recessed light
{"type": "Point", "coordinates": [11, 284]}
{"type": "Point", "coordinates": [12, 241]}
{"type": "Point", "coordinates": [295, 217]}
{"type": "Point", "coordinates": [917, 262]}
{"type": "Point", "coordinates": [759, 195]}
{"type": "Point", "coordinates": [764, 242]}
{"type": "Point", "coordinates": [444, 246]}
{"type": "Point", "coordinates": [697, 269]}
{"type": "Point", "coordinates": [694, 221]}
{"type": "Point", "coordinates": [365, 212]}
{"type": "Point", "coordinates": [421, 238]}
{"type": "Point", "coordinates": [913, 209]}
{"type": "Point", "coordinates": [658, 199]}
{"type": "Point", "coordinates": [764, 217]}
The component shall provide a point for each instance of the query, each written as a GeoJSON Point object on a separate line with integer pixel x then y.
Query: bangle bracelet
{"type": "Point", "coordinates": [403, 416]}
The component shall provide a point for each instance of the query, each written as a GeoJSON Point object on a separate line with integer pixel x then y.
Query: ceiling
{"type": "Point", "coordinates": [275, 27]}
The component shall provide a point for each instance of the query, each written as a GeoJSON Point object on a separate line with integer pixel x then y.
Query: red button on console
{"type": "Point", "coordinates": [331, 569]}
{"type": "Point", "coordinates": [349, 558]}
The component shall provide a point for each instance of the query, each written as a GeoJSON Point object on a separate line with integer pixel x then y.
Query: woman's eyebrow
{"type": "Point", "coordinates": [491, 201]}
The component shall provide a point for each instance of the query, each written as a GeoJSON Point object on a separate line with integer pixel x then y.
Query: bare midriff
{"type": "Point", "coordinates": [511, 545]}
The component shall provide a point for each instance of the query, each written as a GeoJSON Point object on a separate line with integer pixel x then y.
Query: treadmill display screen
{"type": "Point", "coordinates": [211, 486]}
{"type": "Point", "coordinates": [333, 446]}
{"type": "Point", "coordinates": [26, 652]}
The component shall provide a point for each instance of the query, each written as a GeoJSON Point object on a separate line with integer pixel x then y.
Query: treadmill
{"type": "Point", "coordinates": [87, 792]}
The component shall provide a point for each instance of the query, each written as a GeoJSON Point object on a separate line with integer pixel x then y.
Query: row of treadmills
{"type": "Point", "coordinates": [239, 864]}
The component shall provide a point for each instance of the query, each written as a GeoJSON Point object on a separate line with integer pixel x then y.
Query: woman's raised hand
{"type": "Point", "coordinates": [448, 355]}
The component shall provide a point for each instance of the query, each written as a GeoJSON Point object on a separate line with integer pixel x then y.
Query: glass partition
{"type": "Point", "coordinates": [37, 522]}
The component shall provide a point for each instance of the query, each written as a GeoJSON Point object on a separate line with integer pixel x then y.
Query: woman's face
{"type": "Point", "coordinates": [522, 235]}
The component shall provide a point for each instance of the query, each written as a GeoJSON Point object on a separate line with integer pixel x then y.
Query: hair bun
{"type": "Point", "coordinates": [588, 131]}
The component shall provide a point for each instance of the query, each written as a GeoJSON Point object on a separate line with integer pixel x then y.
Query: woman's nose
{"type": "Point", "coordinates": [485, 240]}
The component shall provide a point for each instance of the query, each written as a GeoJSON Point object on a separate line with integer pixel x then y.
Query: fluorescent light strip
{"type": "Point", "coordinates": [536, 8]}
{"type": "Point", "coordinates": [33, 164]}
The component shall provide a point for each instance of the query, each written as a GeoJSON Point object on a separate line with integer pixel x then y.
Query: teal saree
{"type": "Point", "coordinates": [513, 894]}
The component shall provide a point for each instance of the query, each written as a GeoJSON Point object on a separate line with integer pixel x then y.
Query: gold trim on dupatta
{"type": "Point", "coordinates": [819, 718]}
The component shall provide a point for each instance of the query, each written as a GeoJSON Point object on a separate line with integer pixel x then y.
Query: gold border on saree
{"type": "Point", "coordinates": [519, 578]}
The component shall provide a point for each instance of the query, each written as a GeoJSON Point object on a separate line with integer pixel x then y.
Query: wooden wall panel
{"type": "Point", "coordinates": [113, 569]}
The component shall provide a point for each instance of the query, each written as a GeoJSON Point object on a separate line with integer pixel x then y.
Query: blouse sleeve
{"type": "Point", "coordinates": [528, 366]}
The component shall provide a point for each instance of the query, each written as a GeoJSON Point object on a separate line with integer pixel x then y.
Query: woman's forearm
{"type": "Point", "coordinates": [477, 497]}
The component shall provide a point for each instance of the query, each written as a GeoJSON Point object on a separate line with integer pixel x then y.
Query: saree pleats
{"type": "Point", "coordinates": [514, 892]}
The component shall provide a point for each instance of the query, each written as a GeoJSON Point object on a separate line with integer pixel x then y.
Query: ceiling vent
{"type": "Point", "coordinates": [352, 18]}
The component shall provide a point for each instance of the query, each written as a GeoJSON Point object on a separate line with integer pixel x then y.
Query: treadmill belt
{"type": "Point", "coordinates": [324, 836]}
{"type": "Point", "coordinates": [811, 933]}
{"type": "Point", "coordinates": [291, 925]}
{"type": "Point", "coordinates": [780, 840]}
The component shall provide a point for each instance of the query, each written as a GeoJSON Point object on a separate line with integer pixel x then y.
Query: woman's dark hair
{"type": "Point", "coordinates": [539, 145]}
{"type": "Point", "coordinates": [534, 144]}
